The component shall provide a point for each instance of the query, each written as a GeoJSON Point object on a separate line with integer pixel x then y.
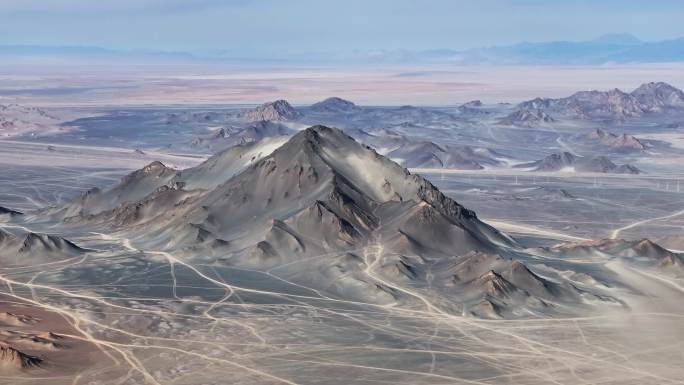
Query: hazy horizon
{"type": "Point", "coordinates": [267, 28]}
{"type": "Point", "coordinates": [423, 86]}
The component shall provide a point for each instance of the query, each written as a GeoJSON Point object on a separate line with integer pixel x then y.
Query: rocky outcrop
{"type": "Point", "coordinates": [12, 359]}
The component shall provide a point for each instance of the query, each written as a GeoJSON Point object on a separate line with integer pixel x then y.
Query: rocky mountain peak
{"type": "Point", "coordinates": [279, 110]}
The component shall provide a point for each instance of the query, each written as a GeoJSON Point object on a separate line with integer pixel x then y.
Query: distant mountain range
{"type": "Point", "coordinates": [649, 98]}
{"type": "Point", "coordinates": [612, 48]}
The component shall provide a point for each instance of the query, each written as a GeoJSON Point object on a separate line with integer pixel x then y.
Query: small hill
{"type": "Point", "coordinates": [335, 105]}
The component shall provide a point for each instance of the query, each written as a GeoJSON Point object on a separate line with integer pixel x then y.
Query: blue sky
{"type": "Point", "coordinates": [266, 27]}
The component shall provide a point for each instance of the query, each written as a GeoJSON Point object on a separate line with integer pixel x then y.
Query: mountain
{"type": "Point", "coordinates": [420, 154]}
{"type": "Point", "coordinates": [472, 104]}
{"type": "Point", "coordinates": [280, 110]}
{"type": "Point", "coordinates": [131, 188]}
{"type": "Point", "coordinates": [493, 285]}
{"type": "Point", "coordinates": [568, 162]}
{"type": "Point", "coordinates": [659, 96]}
{"type": "Point", "coordinates": [30, 242]}
{"type": "Point", "coordinates": [325, 174]}
{"type": "Point", "coordinates": [619, 48]}
{"type": "Point", "coordinates": [639, 251]}
{"type": "Point", "coordinates": [27, 248]}
{"type": "Point", "coordinates": [364, 225]}
{"type": "Point", "coordinates": [251, 132]}
{"type": "Point", "coordinates": [424, 154]}
{"type": "Point", "coordinates": [613, 104]}
{"type": "Point", "coordinates": [334, 105]}
{"type": "Point", "coordinates": [473, 108]}
{"type": "Point", "coordinates": [612, 48]}
{"type": "Point", "coordinates": [619, 143]}
{"type": "Point", "coordinates": [527, 116]}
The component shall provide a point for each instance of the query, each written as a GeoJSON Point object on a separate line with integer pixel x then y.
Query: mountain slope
{"type": "Point", "coordinates": [225, 137]}
{"type": "Point", "coordinates": [139, 184]}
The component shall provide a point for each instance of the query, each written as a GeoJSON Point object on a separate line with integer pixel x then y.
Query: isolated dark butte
{"type": "Point", "coordinates": [322, 194]}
